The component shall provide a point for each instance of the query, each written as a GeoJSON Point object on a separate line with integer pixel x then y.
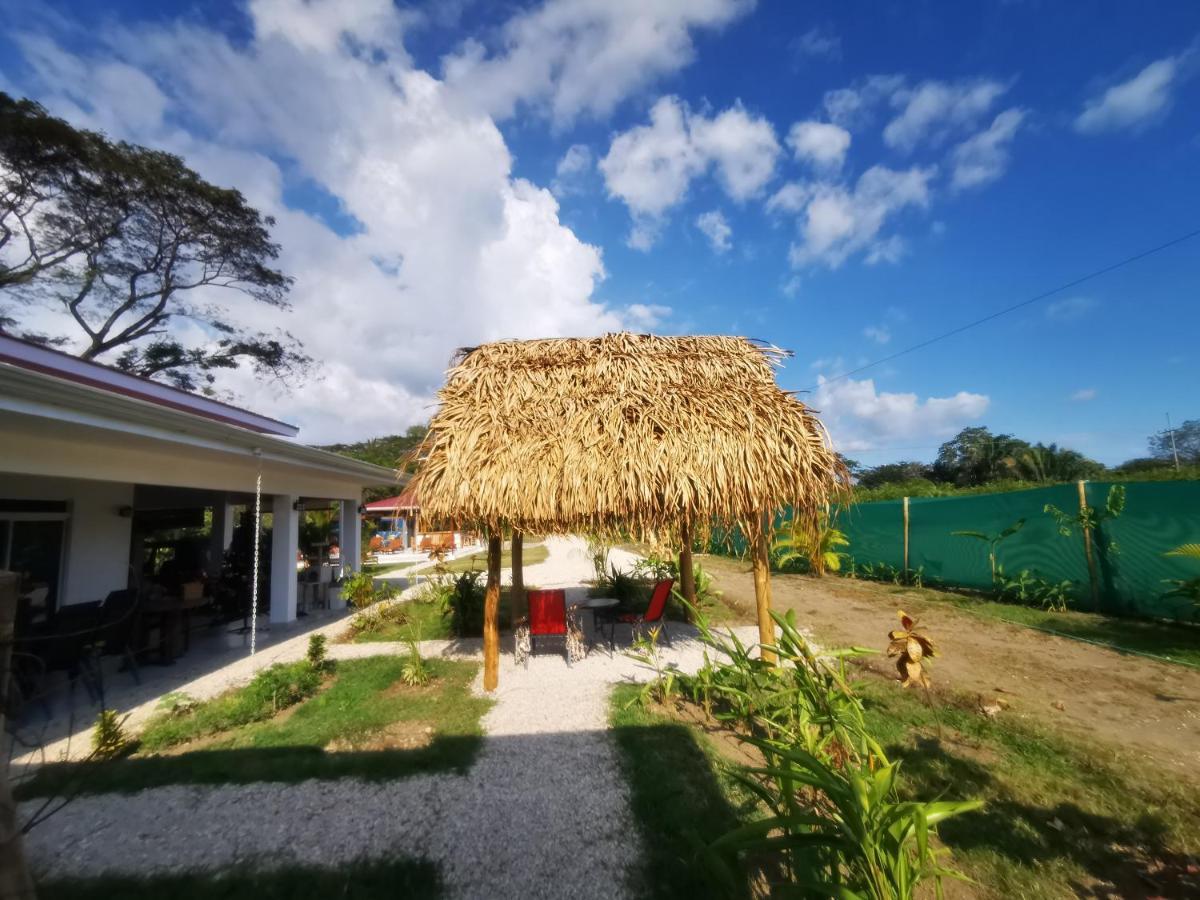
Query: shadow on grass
{"type": "Point", "coordinates": [677, 799]}
{"type": "Point", "coordinates": [246, 765]}
{"type": "Point", "coordinates": [1130, 853]}
{"type": "Point", "coordinates": [413, 879]}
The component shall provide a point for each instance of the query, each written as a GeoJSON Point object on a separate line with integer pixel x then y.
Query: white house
{"type": "Point", "coordinates": [85, 448]}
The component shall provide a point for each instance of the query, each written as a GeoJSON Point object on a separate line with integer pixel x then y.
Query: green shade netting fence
{"type": "Point", "coordinates": [1158, 516]}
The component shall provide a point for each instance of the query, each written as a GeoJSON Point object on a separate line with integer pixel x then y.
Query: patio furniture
{"type": "Point", "coordinates": [119, 621]}
{"type": "Point", "coordinates": [654, 614]}
{"type": "Point", "coordinates": [549, 618]}
{"type": "Point", "coordinates": [602, 614]}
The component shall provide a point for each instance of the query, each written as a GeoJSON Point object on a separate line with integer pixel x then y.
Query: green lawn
{"type": "Point", "coordinates": [414, 620]}
{"type": "Point", "coordinates": [1061, 815]}
{"type": "Point", "coordinates": [681, 794]}
{"type": "Point", "coordinates": [1060, 812]}
{"type": "Point", "coordinates": [377, 569]}
{"type": "Point", "coordinates": [414, 879]}
{"type": "Point", "coordinates": [531, 556]}
{"type": "Point", "coordinates": [366, 723]}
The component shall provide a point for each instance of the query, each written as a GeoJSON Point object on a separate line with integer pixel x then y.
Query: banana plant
{"type": "Point", "coordinates": [993, 540]}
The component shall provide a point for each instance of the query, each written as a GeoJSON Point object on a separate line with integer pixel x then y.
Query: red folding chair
{"type": "Point", "coordinates": [654, 614]}
{"type": "Point", "coordinates": [547, 618]}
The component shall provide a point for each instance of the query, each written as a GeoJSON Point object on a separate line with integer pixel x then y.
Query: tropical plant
{"type": "Point", "coordinates": [358, 589]}
{"type": "Point", "coordinates": [414, 671]}
{"type": "Point", "coordinates": [109, 739]}
{"type": "Point", "coordinates": [1189, 588]}
{"type": "Point", "coordinates": [625, 587]}
{"type": "Point", "coordinates": [911, 648]}
{"type": "Point", "coordinates": [316, 653]}
{"type": "Point", "coordinates": [834, 822]}
{"type": "Point", "coordinates": [463, 603]}
{"type": "Point", "coordinates": [598, 553]}
{"type": "Point", "coordinates": [664, 685]}
{"type": "Point", "coordinates": [1028, 588]}
{"type": "Point", "coordinates": [993, 541]}
{"type": "Point", "coordinates": [817, 547]}
{"type": "Point", "coordinates": [1089, 518]}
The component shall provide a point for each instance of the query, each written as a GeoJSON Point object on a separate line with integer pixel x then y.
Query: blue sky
{"type": "Point", "coordinates": [841, 179]}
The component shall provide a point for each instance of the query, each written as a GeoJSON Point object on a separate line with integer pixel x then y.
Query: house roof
{"type": "Point", "coordinates": [55, 363]}
{"type": "Point", "coordinates": [624, 432]}
{"type": "Point", "coordinates": [406, 500]}
{"type": "Point", "coordinates": [63, 393]}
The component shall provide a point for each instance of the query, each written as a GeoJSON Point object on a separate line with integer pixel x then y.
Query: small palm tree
{"type": "Point", "coordinates": [993, 540]}
{"type": "Point", "coordinates": [1188, 588]}
{"type": "Point", "coordinates": [818, 547]}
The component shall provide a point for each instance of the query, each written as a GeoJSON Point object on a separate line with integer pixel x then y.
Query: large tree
{"type": "Point", "coordinates": [123, 240]}
{"type": "Point", "coordinates": [893, 473]}
{"type": "Point", "coordinates": [976, 456]}
{"type": "Point", "coordinates": [1187, 443]}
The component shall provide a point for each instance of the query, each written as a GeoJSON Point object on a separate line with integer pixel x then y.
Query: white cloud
{"type": "Point", "coordinates": [890, 249]}
{"type": "Point", "coordinates": [1069, 309]}
{"type": "Point", "coordinates": [1084, 394]}
{"type": "Point", "coordinates": [572, 170]}
{"type": "Point", "coordinates": [859, 417]}
{"type": "Point", "coordinates": [817, 43]}
{"type": "Point", "coordinates": [853, 107]}
{"type": "Point", "coordinates": [933, 111]}
{"type": "Point", "coordinates": [645, 317]}
{"type": "Point", "coordinates": [650, 167]}
{"type": "Point", "coordinates": [451, 249]}
{"type": "Point", "coordinates": [877, 333]}
{"type": "Point", "coordinates": [982, 158]}
{"type": "Point", "coordinates": [839, 221]}
{"type": "Point", "coordinates": [820, 143]}
{"type": "Point", "coordinates": [1132, 104]}
{"type": "Point", "coordinates": [574, 58]}
{"type": "Point", "coordinates": [716, 229]}
{"type": "Point", "coordinates": [791, 198]}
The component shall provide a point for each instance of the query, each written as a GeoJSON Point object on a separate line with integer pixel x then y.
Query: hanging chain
{"type": "Point", "coordinates": [257, 541]}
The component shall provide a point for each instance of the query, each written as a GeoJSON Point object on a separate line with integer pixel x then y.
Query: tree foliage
{"type": "Point", "coordinates": [125, 241]}
{"type": "Point", "coordinates": [391, 451]}
{"type": "Point", "coordinates": [1187, 443]}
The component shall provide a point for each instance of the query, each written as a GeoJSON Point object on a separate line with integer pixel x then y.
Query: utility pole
{"type": "Point", "coordinates": [1174, 452]}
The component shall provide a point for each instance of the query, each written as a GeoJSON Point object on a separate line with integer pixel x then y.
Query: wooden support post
{"type": "Point", "coordinates": [1093, 580]}
{"type": "Point", "coordinates": [761, 556]}
{"type": "Point", "coordinates": [687, 573]}
{"type": "Point", "coordinates": [517, 601]}
{"type": "Point", "coordinates": [905, 538]}
{"type": "Point", "coordinates": [15, 881]}
{"type": "Point", "coordinates": [491, 615]}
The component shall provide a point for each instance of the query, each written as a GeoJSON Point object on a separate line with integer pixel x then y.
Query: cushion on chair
{"type": "Point", "coordinates": [547, 612]}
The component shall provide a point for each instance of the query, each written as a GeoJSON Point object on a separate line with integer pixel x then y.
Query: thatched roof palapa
{"type": "Point", "coordinates": [625, 432]}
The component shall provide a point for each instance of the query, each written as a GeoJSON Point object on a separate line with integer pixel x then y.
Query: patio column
{"type": "Point", "coordinates": [350, 537]}
{"type": "Point", "coordinates": [760, 553]}
{"type": "Point", "coordinates": [285, 541]}
{"type": "Point", "coordinates": [222, 533]}
{"type": "Point", "coordinates": [491, 615]}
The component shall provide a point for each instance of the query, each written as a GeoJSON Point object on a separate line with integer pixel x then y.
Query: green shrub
{"type": "Point", "coordinates": [415, 671]}
{"type": "Point", "coordinates": [109, 739]}
{"type": "Point", "coordinates": [271, 690]}
{"type": "Point", "coordinates": [316, 653]}
{"type": "Point", "coordinates": [464, 603]}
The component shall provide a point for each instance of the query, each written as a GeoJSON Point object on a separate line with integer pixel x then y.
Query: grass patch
{"type": "Point", "coordinates": [681, 794]}
{"type": "Point", "coordinates": [416, 620]}
{"type": "Point", "coordinates": [271, 690]}
{"type": "Point", "coordinates": [376, 726]}
{"type": "Point", "coordinates": [531, 555]}
{"type": "Point", "coordinates": [1060, 817]}
{"type": "Point", "coordinates": [377, 569]}
{"type": "Point", "coordinates": [416, 879]}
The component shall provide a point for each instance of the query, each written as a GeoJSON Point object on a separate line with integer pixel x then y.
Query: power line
{"type": "Point", "coordinates": [1008, 309]}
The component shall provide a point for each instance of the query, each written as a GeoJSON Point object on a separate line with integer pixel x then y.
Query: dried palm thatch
{"type": "Point", "coordinates": [626, 432]}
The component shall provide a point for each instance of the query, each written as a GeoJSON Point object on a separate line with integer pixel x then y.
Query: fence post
{"type": "Point", "coordinates": [1087, 547]}
{"type": "Point", "coordinates": [906, 539]}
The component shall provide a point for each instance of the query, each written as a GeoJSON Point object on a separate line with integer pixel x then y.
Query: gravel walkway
{"type": "Point", "coordinates": [544, 811]}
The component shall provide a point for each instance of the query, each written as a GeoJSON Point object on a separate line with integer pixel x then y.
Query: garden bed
{"type": "Point", "coordinates": [340, 731]}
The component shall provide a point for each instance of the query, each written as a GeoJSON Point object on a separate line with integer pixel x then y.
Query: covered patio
{"type": "Point", "coordinates": [630, 436]}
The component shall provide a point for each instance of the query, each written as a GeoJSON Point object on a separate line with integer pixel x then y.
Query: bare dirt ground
{"type": "Point", "coordinates": [1139, 707]}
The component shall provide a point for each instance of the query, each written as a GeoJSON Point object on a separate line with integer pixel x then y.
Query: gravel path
{"type": "Point", "coordinates": [543, 812]}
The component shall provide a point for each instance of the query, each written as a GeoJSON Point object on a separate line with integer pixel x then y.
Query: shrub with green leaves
{"type": "Point", "coordinates": [834, 823]}
{"type": "Point", "coordinates": [109, 739]}
{"type": "Point", "coordinates": [270, 691]}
